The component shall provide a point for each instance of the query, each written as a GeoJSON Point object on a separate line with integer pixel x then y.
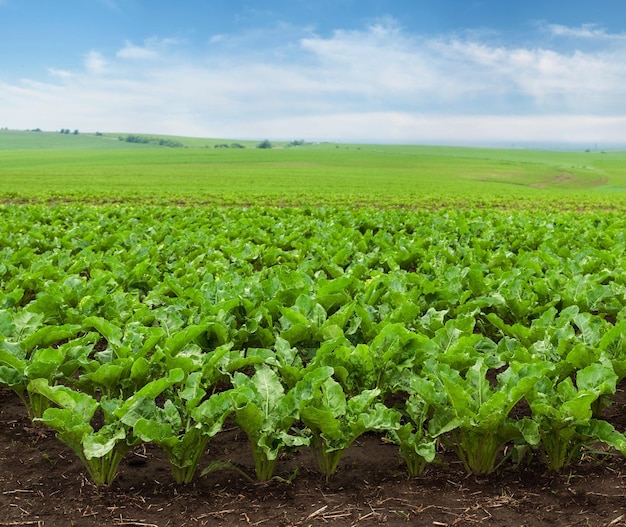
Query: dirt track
{"type": "Point", "coordinates": [43, 484]}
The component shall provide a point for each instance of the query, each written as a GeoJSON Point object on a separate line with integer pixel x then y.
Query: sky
{"type": "Point", "coordinates": [370, 71]}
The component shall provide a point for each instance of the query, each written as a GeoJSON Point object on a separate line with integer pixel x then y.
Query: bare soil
{"type": "Point", "coordinates": [43, 484]}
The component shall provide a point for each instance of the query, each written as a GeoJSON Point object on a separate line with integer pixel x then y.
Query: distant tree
{"type": "Point", "coordinates": [75, 132]}
{"type": "Point", "coordinates": [237, 145]}
{"type": "Point", "coordinates": [264, 144]}
{"type": "Point", "coordinates": [168, 142]}
{"type": "Point", "coordinates": [98, 134]}
{"type": "Point", "coordinates": [152, 140]}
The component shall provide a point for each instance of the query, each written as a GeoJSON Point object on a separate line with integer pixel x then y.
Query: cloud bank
{"type": "Point", "coordinates": [377, 84]}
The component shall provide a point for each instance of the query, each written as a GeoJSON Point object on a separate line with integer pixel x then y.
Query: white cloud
{"type": "Point", "coordinates": [216, 38]}
{"type": "Point", "coordinates": [550, 79]}
{"type": "Point", "coordinates": [62, 74]}
{"type": "Point", "coordinates": [130, 51]}
{"type": "Point", "coordinates": [95, 63]}
{"type": "Point", "coordinates": [385, 64]}
{"type": "Point", "coordinates": [151, 49]}
{"type": "Point", "coordinates": [586, 31]}
{"type": "Point", "coordinates": [378, 84]}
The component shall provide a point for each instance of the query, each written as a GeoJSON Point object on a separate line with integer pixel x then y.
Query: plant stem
{"type": "Point", "coordinates": [185, 462]}
{"type": "Point", "coordinates": [263, 466]}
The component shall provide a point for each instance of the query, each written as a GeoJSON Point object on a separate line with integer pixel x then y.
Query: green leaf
{"type": "Point", "coordinates": [177, 342]}
{"type": "Point", "coordinates": [48, 336]}
{"type": "Point", "coordinates": [598, 377]}
{"type": "Point", "coordinates": [212, 413]}
{"type": "Point", "coordinates": [102, 442]}
{"type": "Point", "coordinates": [605, 432]}
{"type": "Point", "coordinates": [108, 330]}
{"type": "Point", "coordinates": [78, 403]}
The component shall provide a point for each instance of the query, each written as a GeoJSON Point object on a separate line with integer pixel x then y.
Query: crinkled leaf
{"type": "Point", "coordinates": [78, 403]}
{"type": "Point", "coordinates": [102, 442]}
{"type": "Point", "coordinates": [49, 335]}
{"type": "Point", "coordinates": [108, 330]}
{"type": "Point", "coordinates": [212, 413]}
{"type": "Point", "coordinates": [599, 377]}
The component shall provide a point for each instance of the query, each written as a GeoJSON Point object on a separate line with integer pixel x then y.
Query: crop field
{"type": "Point", "coordinates": [101, 169]}
{"type": "Point", "coordinates": [310, 335]}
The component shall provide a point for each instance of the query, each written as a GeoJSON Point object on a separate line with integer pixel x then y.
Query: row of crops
{"type": "Point", "coordinates": [495, 336]}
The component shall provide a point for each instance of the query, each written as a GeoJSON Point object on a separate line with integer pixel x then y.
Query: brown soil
{"type": "Point", "coordinates": [43, 484]}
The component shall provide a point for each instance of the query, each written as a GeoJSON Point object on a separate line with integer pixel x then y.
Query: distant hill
{"type": "Point", "coordinates": [31, 140]}
{"type": "Point", "coordinates": [38, 140]}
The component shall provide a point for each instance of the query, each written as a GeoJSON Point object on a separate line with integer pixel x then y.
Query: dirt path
{"type": "Point", "coordinates": [42, 484]}
{"type": "Point", "coordinates": [566, 177]}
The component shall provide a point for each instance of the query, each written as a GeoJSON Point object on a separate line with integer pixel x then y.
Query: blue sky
{"type": "Point", "coordinates": [420, 71]}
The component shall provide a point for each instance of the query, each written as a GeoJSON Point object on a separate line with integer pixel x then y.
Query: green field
{"type": "Point", "coordinates": [484, 337]}
{"type": "Point", "coordinates": [47, 166]}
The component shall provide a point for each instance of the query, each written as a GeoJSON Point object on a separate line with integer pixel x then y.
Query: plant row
{"type": "Point", "coordinates": [495, 336]}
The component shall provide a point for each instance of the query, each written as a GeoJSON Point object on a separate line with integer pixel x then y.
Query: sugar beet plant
{"type": "Point", "coordinates": [474, 414]}
{"type": "Point", "coordinates": [101, 450]}
{"type": "Point", "coordinates": [478, 333]}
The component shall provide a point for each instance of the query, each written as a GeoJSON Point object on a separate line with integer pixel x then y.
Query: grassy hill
{"type": "Point", "coordinates": [40, 166]}
{"type": "Point", "coordinates": [35, 140]}
{"type": "Point", "coordinates": [26, 140]}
